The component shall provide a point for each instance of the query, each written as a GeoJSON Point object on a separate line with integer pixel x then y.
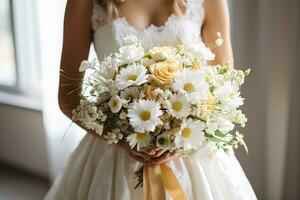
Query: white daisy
{"type": "Point", "coordinates": [178, 106]}
{"type": "Point", "coordinates": [139, 140]}
{"type": "Point", "coordinates": [225, 91]}
{"type": "Point", "coordinates": [191, 83]}
{"type": "Point", "coordinates": [144, 115]}
{"type": "Point", "coordinates": [115, 104]}
{"type": "Point", "coordinates": [135, 74]}
{"type": "Point", "coordinates": [131, 93]}
{"type": "Point", "coordinates": [191, 134]}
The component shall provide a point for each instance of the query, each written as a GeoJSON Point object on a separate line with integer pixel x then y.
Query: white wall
{"type": "Point", "coordinates": [22, 139]}
{"type": "Point", "coordinates": [61, 139]}
{"type": "Point", "coordinates": [246, 44]}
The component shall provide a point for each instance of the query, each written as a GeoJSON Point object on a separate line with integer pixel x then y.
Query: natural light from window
{"type": "Point", "coordinates": [7, 51]}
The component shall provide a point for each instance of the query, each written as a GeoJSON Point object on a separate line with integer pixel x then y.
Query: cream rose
{"type": "Point", "coordinates": [159, 53]}
{"type": "Point", "coordinates": [162, 72]}
{"type": "Point", "coordinates": [150, 93]}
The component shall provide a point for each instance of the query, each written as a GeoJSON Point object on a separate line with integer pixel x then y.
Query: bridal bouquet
{"type": "Point", "coordinates": [167, 97]}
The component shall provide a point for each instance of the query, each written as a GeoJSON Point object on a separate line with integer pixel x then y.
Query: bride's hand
{"type": "Point", "coordinates": [161, 156]}
{"type": "Point", "coordinates": [141, 156]}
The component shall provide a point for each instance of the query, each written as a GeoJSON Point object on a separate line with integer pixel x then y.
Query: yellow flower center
{"type": "Point", "coordinates": [189, 87]}
{"type": "Point", "coordinates": [177, 106]}
{"type": "Point", "coordinates": [196, 65]}
{"type": "Point", "coordinates": [132, 77]}
{"type": "Point", "coordinates": [140, 136]}
{"type": "Point", "coordinates": [145, 115]}
{"type": "Point", "coordinates": [114, 104]}
{"type": "Point", "coordinates": [186, 132]}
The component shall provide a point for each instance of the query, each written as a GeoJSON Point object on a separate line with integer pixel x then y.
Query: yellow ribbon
{"type": "Point", "coordinates": [159, 178]}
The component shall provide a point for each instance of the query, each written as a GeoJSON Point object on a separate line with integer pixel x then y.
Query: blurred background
{"type": "Point", "coordinates": [36, 139]}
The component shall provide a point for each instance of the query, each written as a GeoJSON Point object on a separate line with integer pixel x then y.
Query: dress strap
{"type": "Point", "coordinates": [98, 15]}
{"type": "Point", "coordinates": [195, 10]}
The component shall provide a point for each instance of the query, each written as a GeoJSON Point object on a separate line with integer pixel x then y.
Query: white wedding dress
{"type": "Point", "coordinates": [99, 171]}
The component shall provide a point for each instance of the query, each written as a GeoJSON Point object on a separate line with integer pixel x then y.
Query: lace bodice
{"type": "Point", "coordinates": [176, 30]}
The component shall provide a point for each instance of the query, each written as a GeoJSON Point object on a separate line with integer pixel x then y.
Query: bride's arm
{"type": "Point", "coordinates": [76, 44]}
{"type": "Point", "coordinates": [78, 35]}
{"type": "Point", "coordinates": [217, 20]}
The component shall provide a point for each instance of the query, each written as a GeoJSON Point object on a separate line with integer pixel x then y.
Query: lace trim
{"type": "Point", "coordinates": [194, 12]}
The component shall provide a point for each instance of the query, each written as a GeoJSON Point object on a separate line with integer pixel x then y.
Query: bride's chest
{"type": "Point", "coordinates": [108, 38]}
{"type": "Point", "coordinates": [176, 30]}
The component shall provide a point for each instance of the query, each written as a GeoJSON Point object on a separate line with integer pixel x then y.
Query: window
{"type": "Point", "coordinates": [20, 71]}
{"type": "Point", "coordinates": [8, 75]}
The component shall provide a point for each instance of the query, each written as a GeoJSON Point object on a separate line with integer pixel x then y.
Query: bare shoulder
{"type": "Point", "coordinates": [217, 19]}
{"type": "Point", "coordinates": [216, 9]}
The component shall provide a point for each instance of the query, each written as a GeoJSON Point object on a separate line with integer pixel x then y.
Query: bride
{"type": "Point", "coordinates": [97, 170]}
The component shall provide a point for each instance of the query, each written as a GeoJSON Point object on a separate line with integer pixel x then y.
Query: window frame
{"type": "Point", "coordinates": [25, 32]}
{"type": "Point", "coordinates": [12, 88]}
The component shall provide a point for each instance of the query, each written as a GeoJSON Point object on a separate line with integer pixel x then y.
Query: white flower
{"type": "Point", "coordinates": [129, 54]}
{"type": "Point", "coordinates": [199, 50]}
{"type": "Point", "coordinates": [115, 104]}
{"type": "Point", "coordinates": [98, 128]}
{"type": "Point", "coordinates": [224, 125]}
{"type": "Point", "coordinates": [144, 115]}
{"type": "Point", "coordinates": [113, 136]}
{"type": "Point", "coordinates": [134, 74]}
{"type": "Point", "coordinates": [237, 116]}
{"type": "Point", "coordinates": [225, 91]}
{"type": "Point", "coordinates": [138, 139]}
{"type": "Point", "coordinates": [191, 83]}
{"type": "Point", "coordinates": [131, 93]}
{"type": "Point", "coordinates": [89, 116]}
{"type": "Point", "coordinates": [131, 39]}
{"type": "Point", "coordinates": [123, 115]}
{"type": "Point", "coordinates": [162, 53]}
{"type": "Point", "coordinates": [218, 122]}
{"type": "Point", "coordinates": [84, 66]}
{"type": "Point", "coordinates": [219, 41]}
{"type": "Point", "coordinates": [191, 135]}
{"type": "Point", "coordinates": [207, 54]}
{"type": "Point", "coordinates": [235, 101]}
{"type": "Point", "coordinates": [178, 106]}
{"type": "Point", "coordinates": [211, 125]}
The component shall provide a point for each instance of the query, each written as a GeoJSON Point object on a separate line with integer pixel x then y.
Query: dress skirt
{"type": "Point", "coordinates": [100, 171]}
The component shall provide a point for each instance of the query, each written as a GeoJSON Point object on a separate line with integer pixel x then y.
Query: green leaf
{"type": "Point", "coordinates": [147, 55]}
{"type": "Point", "coordinates": [247, 72]}
{"type": "Point", "coordinates": [219, 133]}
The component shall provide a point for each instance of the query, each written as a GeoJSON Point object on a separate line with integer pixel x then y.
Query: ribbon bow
{"type": "Point", "coordinates": [157, 180]}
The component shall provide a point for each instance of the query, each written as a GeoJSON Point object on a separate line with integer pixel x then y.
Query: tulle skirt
{"type": "Point", "coordinates": [99, 171]}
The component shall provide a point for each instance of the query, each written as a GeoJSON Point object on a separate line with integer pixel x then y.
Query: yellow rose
{"type": "Point", "coordinates": [162, 72]}
{"type": "Point", "coordinates": [150, 93]}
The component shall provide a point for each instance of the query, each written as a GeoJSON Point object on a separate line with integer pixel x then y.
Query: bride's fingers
{"type": "Point", "coordinates": [141, 155]}
{"type": "Point", "coordinates": [149, 153]}
{"type": "Point", "coordinates": [154, 151]}
{"type": "Point", "coordinates": [164, 158]}
{"type": "Point", "coordinates": [159, 153]}
{"type": "Point", "coordinates": [140, 159]}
